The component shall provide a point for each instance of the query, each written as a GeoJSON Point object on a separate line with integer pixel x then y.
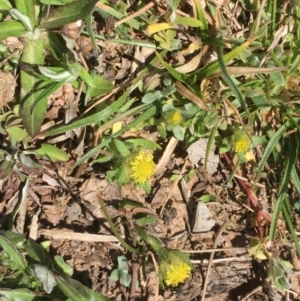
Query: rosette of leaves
{"type": "Point", "coordinates": [30, 20]}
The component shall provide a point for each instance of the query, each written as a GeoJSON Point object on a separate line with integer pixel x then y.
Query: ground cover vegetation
{"type": "Point", "coordinates": [111, 113]}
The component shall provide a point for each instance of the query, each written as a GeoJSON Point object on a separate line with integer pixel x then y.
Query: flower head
{"type": "Point", "coordinates": [174, 117]}
{"type": "Point", "coordinates": [241, 142]}
{"type": "Point", "coordinates": [176, 269]}
{"type": "Point", "coordinates": [177, 274]}
{"type": "Point", "coordinates": [142, 167]}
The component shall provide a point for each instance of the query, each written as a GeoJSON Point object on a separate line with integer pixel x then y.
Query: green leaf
{"type": "Point", "coordinates": [178, 132]}
{"type": "Point", "coordinates": [16, 133]}
{"type": "Point", "coordinates": [11, 29]}
{"type": "Point", "coordinates": [76, 291]}
{"type": "Point", "coordinates": [277, 78]}
{"type": "Point", "coordinates": [52, 153]}
{"type": "Point", "coordinates": [207, 70]}
{"type": "Point", "coordinates": [145, 116]}
{"type": "Point", "coordinates": [202, 19]}
{"type": "Point", "coordinates": [68, 13]}
{"type": "Point", "coordinates": [32, 120]}
{"type": "Point", "coordinates": [5, 5]}
{"type": "Point", "coordinates": [57, 2]}
{"type": "Point", "coordinates": [99, 85]}
{"type": "Point", "coordinates": [45, 276]}
{"type": "Point", "coordinates": [122, 148]}
{"type": "Point", "coordinates": [125, 278]}
{"type": "Point", "coordinates": [114, 276]}
{"type": "Point", "coordinates": [26, 8]}
{"type": "Point", "coordinates": [122, 262]}
{"type": "Point", "coordinates": [147, 220]}
{"type": "Point", "coordinates": [37, 253]}
{"type": "Point", "coordinates": [176, 74]}
{"type": "Point", "coordinates": [17, 15]}
{"type": "Point", "coordinates": [95, 118]}
{"type": "Point", "coordinates": [187, 21]}
{"type": "Point", "coordinates": [16, 258]}
{"type": "Point", "coordinates": [67, 270]}
{"type": "Point", "coordinates": [153, 241]}
{"type": "Point", "coordinates": [208, 198]}
{"type": "Point", "coordinates": [151, 97]}
{"type": "Point", "coordinates": [21, 294]}
{"type": "Point", "coordinates": [289, 165]}
{"type": "Point", "coordinates": [143, 143]}
{"type": "Point", "coordinates": [270, 147]}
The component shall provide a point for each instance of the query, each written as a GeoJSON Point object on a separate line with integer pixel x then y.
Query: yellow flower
{"type": "Point", "coordinates": [142, 167]}
{"type": "Point", "coordinates": [241, 142]}
{"type": "Point", "coordinates": [174, 118]}
{"type": "Point", "coordinates": [241, 146]}
{"type": "Point", "coordinates": [177, 274]}
{"type": "Point", "coordinates": [175, 268]}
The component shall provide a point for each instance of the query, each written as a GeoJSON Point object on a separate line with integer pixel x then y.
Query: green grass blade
{"type": "Point", "coordinates": [290, 162]}
{"type": "Point", "coordinates": [270, 147]}
{"type": "Point", "coordinates": [95, 118]}
{"type": "Point", "coordinates": [27, 8]}
{"type": "Point", "coordinates": [68, 13]}
{"type": "Point", "coordinates": [32, 119]}
{"type": "Point", "coordinates": [16, 258]}
{"type": "Point", "coordinates": [145, 116]}
{"type": "Point", "coordinates": [202, 19]}
{"type": "Point", "coordinates": [211, 68]}
{"type": "Point", "coordinates": [287, 217]}
{"type": "Point", "coordinates": [295, 179]}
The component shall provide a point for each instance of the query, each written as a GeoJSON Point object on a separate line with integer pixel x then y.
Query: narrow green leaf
{"type": "Point", "coordinates": [144, 143]}
{"type": "Point", "coordinates": [26, 8]}
{"type": "Point", "coordinates": [291, 226]}
{"type": "Point", "coordinates": [122, 148]}
{"type": "Point", "coordinates": [52, 153]}
{"type": "Point", "coordinates": [95, 118]}
{"type": "Point", "coordinates": [205, 71]}
{"type": "Point", "coordinates": [290, 163]}
{"type": "Point", "coordinates": [202, 19]}
{"type": "Point", "coordinates": [178, 132]}
{"type": "Point", "coordinates": [32, 120]}
{"type": "Point", "coordinates": [68, 13]}
{"type": "Point", "coordinates": [16, 258]}
{"type": "Point", "coordinates": [270, 147]}
{"type": "Point", "coordinates": [57, 2]}
{"type": "Point", "coordinates": [75, 291]}
{"type": "Point", "coordinates": [5, 5]}
{"type": "Point", "coordinates": [11, 29]}
{"type": "Point", "coordinates": [295, 178]}
{"type": "Point", "coordinates": [21, 294]}
{"type": "Point", "coordinates": [145, 116]}
{"type": "Point", "coordinates": [22, 198]}
{"type": "Point", "coordinates": [176, 74]}
{"type": "Point", "coordinates": [45, 92]}
{"type": "Point", "coordinates": [67, 270]}
{"type": "Point", "coordinates": [187, 21]}
{"type": "Point", "coordinates": [45, 276]}
{"type": "Point", "coordinates": [277, 78]}
{"type": "Point", "coordinates": [99, 86]}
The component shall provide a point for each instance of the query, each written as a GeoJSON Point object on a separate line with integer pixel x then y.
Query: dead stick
{"type": "Point", "coordinates": [211, 257]}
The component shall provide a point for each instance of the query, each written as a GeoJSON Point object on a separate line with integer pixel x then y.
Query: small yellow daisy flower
{"type": "Point", "coordinates": [142, 167]}
{"type": "Point", "coordinates": [176, 268]}
{"type": "Point", "coordinates": [177, 274]}
{"type": "Point", "coordinates": [174, 118]}
{"type": "Point", "coordinates": [241, 142]}
{"type": "Point", "coordinates": [241, 146]}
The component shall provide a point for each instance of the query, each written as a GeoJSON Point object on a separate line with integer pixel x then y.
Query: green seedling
{"type": "Point", "coordinates": [29, 273]}
{"type": "Point", "coordinates": [38, 81]}
{"type": "Point", "coordinates": [121, 273]}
